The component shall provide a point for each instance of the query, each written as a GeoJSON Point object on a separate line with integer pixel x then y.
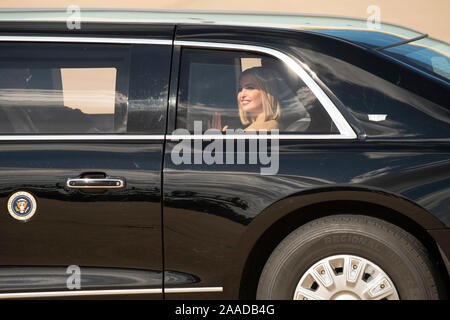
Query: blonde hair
{"type": "Point", "coordinates": [266, 82]}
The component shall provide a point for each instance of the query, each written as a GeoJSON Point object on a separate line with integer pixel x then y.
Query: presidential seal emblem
{"type": "Point", "coordinates": [22, 205]}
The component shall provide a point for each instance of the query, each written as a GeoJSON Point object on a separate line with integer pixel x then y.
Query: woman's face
{"type": "Point", "coordinates": [249, 96]}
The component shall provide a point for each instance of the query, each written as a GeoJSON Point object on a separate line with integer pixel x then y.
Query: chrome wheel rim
{"type": "Point", "coordinates": [345, 277]}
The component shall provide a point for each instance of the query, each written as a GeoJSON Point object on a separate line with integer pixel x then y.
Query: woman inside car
{"type": "Point", "coordinates": [257, 97]}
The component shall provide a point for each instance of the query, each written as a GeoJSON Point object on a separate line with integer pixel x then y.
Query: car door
{"type": "Point", "coordinates": [217, 183]}
{"type": "Point", "coordinates": [82, 124]}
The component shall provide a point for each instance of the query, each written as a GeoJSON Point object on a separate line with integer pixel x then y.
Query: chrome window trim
{"type": "Point", "coordinates": [173, 137]}
{"type": "Point", "coordinates": [345, 130]}
{"type": "Point", "coordinates": [244, 136]}
{"type": "Point", "coordinates": [63, 137]}
{"type": "Point", "coordinates": [85, 40]}
{"type": "Point", "coordinates": [81, 293]}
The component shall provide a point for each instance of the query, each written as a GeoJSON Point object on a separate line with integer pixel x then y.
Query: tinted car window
{"type": "Point", "coordinates": [380, 104]}
{"type": "Point", "coordinates": [211, 82]}
{"type": "Point", "coordinates": [82, 88]}
{"type": "Point", "coordinates": [429, 57]}
{"type": "Point", "coordinates": [423, 58]}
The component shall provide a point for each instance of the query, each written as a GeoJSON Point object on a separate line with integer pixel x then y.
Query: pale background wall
{"type": "Point", "coordinates": [428, 16]}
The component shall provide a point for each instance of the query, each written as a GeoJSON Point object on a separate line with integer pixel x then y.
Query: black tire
{"type": "Point", "coordinates": [400, 255]}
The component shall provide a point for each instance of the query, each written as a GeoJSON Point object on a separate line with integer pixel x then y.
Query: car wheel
{"type": "Point", "coordinates": [348, 257]}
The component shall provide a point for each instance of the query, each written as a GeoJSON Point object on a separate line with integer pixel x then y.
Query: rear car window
{"type": "Point", "coordinates": [425, 59]}
{"type": "Point", "coordinates": [384, 109]}
{"type": "Point", "coordinates": [55, 88]}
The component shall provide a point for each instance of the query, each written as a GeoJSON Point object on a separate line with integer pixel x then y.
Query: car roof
{"type": "Point", "coordinates": [355, 30]}
{"type": "Point", "coordinates": [242, 18]}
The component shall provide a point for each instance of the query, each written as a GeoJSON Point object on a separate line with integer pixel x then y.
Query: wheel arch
{"type": "Point", "coordinates": [272, 225]}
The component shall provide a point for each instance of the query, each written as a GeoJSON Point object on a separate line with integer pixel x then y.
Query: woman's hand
{"type": "Point", "coordinates": [216, 122]}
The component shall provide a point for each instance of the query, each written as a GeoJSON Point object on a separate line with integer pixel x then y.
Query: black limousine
{"type": "Point", "coordinates": [202, 159]}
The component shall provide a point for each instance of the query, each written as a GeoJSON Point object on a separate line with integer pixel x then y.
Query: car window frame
{"type": "Point", "coordinates": [86, 40]}
{"type": "Point", "coordinates": [346, 132]}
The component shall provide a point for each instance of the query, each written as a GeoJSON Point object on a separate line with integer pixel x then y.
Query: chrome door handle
{"type": "Point", "coordinates": [95, 183]}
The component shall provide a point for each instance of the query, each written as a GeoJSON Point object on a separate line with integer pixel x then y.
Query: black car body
{"type": "Point", "coordinates": [196, 230]}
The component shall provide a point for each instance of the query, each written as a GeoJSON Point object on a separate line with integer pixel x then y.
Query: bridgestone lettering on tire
{"type": "Point", "coordinates": [315, 261]}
